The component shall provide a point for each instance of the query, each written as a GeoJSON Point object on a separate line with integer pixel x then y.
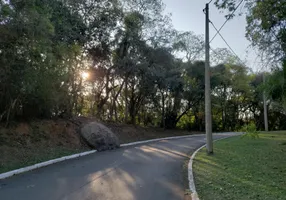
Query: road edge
{"type": "Point", "coordinates": [43, 164]}
{"type": "Point", "coordinates": [192, 186]}
{"type": "Point", "coordinates": [158, 139]}
{"type": "Point", "coordinates": [57, 160]}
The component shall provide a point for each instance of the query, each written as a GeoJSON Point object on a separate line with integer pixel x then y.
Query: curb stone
{"type": "Point", "coordinates": [57, 160]}
{"type": "Point", "coordinates": [192, 186]}
{"type": "Point", "coordinates": [43, 164]}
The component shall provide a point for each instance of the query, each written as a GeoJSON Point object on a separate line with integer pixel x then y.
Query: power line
{"type": "Point", "coordinates": [218, 31]}
{"type": "Point", "coordinates": [226, 20]}
{"type": "Point", "coordinates": [214, 51]}
{"type": "Point", "coordinates": [225, 41]}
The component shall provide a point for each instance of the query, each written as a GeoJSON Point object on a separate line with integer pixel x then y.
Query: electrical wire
{"type": "Point", "coordinates": [225, 41]}
{"type": "Point", "coordinates": [226, 21]}
{"type": "Point", "coordinates": [218, 31]}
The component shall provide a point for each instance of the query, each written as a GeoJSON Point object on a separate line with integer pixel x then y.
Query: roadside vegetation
{"type": "Point", "coordinates": [123, 62]}
{"type": "Point", "coordinates": [19, 159]}
{"type": "Point", "coordinates": [29, 143]}
{"type": "Point", "coordinates": [243, 168]}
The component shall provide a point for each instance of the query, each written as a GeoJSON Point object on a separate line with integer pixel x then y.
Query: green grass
{"type": "Point", "coordinates": [26, 157]}
{"type": "Point", "coordinates": [243, 168]}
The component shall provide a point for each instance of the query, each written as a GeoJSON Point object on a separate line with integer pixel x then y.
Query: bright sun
{"type": "Point", "coordinates": [84, 75]}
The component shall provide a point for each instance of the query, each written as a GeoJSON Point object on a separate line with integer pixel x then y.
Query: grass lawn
{"type": "Point", "coordinates": [33, 156]}
{"type": "Point", "coordinates": [243, 168]}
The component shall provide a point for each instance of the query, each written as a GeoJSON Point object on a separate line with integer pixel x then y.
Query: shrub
{"type": "Point", "coordinates": [250, 131]}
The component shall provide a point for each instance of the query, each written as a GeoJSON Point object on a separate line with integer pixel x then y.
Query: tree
{"type": "Point", "coordinates": [190, 45]}
{"type": "Point", "coordinates": [265, 25]}
{"type": "Point", "coordinates": [232, 92]}
{"type": "Point", "coordinates": [33, 48]}
{"type": "Point", "coordinates": [193, 92]}
{"type": "Point", "coordinates": [266, 30]}
{"type": "Point", "coordinates": [122, 61]}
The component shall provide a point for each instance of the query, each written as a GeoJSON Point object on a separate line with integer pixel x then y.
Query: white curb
{"type": "Point", "coordinates": [43, 164]}
{"type": "Point", "coordinates": [158, 139]}
{"type": "Point", "coordinates": [49, 162]}
{"type": "Point", "coordinates": [192, 185]}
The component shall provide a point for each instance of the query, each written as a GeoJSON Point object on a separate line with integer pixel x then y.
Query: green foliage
{"type": "Point", "coordinates": [232, 94]}
{"type": "Point", "coordinates": [38, 36]}
{"type": "Point", "coordinates": [186, 122]}
{"type": "Point", "coordinates": [122, 61]}
{"type": "Point", "coordinates": [266, 30]}
{"type": "Point", "coordinates": [250, 131]}
{"type": "Point", "coordinates": [190, 45]}
{"type": "Point", "coordinates": [265, 25]}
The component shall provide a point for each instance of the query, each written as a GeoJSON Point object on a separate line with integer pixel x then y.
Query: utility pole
{"type": "Point", "coordinates": [208, 114]}
{"type": "Point", "coordinates": [265, 107]}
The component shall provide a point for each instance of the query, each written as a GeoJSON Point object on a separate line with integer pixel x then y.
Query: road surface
{"type": "Point", "coordinates": [151, 171]}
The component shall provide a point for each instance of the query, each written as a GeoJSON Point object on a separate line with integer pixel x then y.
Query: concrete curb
{"type": "Point", "coordinates": [43, 164]}
{"type": "Point", "coordinates": [57, 160]}
{"type": "Point", "coordinates": [158, 139]}
{"type": "Point", "coordinates": [192, 185]}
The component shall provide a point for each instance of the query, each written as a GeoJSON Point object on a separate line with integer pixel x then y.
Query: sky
{"type": "Point", "coordinates": [187, 15]}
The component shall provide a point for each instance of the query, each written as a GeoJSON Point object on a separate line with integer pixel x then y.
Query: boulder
{"type": "Point", "coordinates": [99, 136]}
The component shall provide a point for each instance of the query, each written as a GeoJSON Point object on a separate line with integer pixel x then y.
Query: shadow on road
{"type": "Point", "coordinates": [151, 171]}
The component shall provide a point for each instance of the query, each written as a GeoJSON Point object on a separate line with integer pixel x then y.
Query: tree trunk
{"type": "Point", "coordinates": [224, 109]}
{"type": "Point", "coordinates": [132, 104]}
{"type": "Point", "coordinates": [126, 100]}
{"type": "Point", "coordinates": [163, 111]}
{"type": "Point", "coordinates": [114, 106]}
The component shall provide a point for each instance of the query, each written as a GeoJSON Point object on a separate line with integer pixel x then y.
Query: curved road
{"type": "Point", "coordinates": [150, 171]}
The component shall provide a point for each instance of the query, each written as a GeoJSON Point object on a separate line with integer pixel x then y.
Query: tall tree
{"type": "Point", "coordinates": [266, 27]}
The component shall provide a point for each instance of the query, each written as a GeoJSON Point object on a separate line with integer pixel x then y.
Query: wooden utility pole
{"type": "Point", "coordinates": [208, 114]}
{"type": "Point", "coordinates": [265, 107]}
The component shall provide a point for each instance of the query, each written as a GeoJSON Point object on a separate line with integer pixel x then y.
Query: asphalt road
{"type": "Point", "coordinates": [151, 171]}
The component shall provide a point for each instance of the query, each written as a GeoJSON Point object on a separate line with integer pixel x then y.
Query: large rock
{"type": "Point", "coordinates": [99, 136]}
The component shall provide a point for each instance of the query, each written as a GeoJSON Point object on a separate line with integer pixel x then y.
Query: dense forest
{"type": "Point", "coordinates": [122, 61]}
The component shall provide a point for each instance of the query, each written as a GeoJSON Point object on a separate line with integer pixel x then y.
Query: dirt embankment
{"type": "Point", "coordinates": [27, 143]}
{"type": "Point", "coordinates": [24, 144]}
